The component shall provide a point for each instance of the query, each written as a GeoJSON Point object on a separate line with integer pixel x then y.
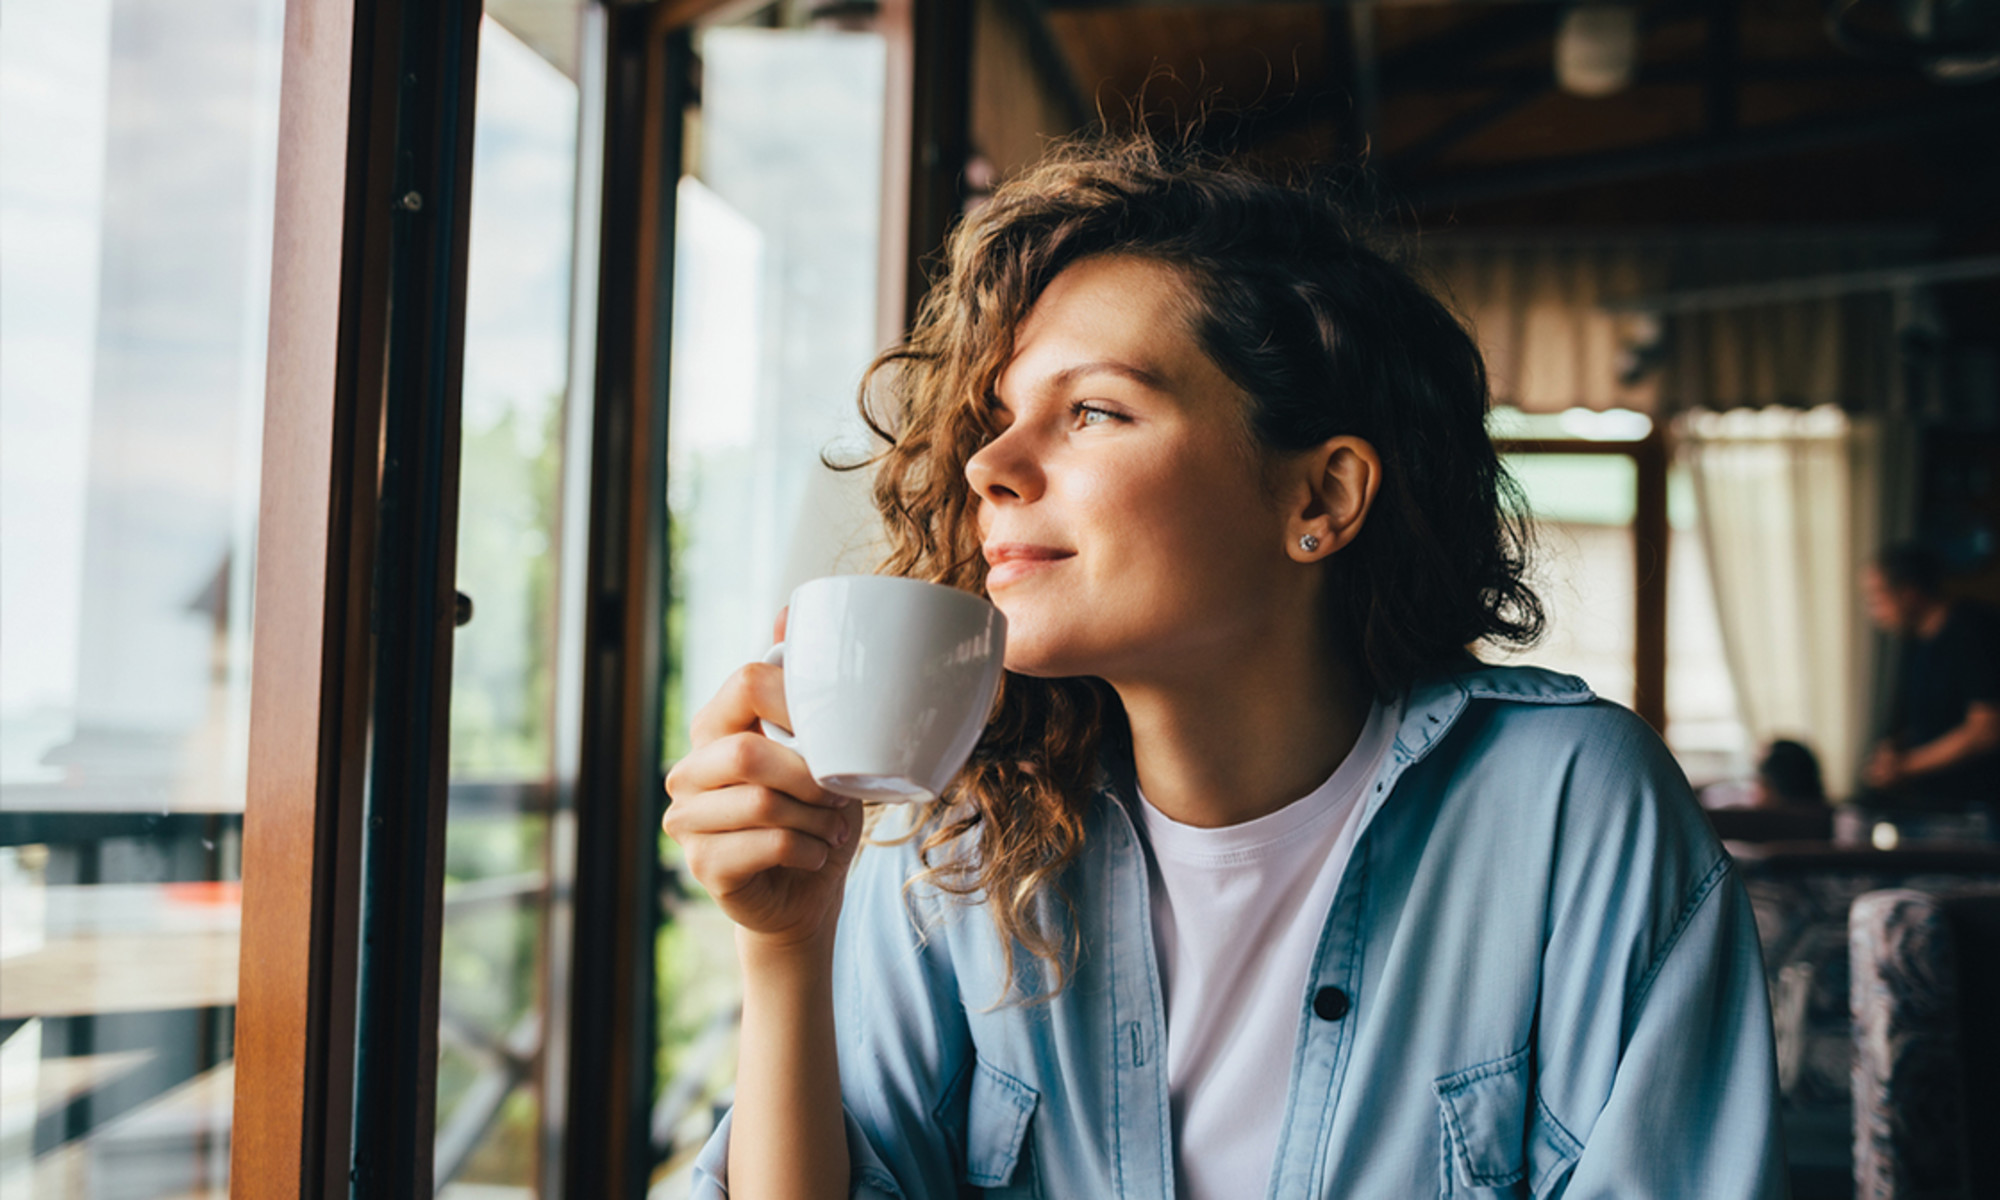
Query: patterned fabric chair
{"type": "Point", "coordinates": [1925, 976]}
{"type": "Point", "coordinates": [1801, 893]}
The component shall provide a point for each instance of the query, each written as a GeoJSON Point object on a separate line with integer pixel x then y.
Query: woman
{"type": "Point", "coordinates": [1258, 883]}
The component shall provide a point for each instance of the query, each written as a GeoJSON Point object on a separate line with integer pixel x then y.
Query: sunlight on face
{"type": "Point", "coordinates": [1121, 511]}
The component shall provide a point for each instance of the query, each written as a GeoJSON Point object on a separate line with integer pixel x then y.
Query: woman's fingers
{"type": "Point", "coordinates": [745, 758]}
{"type": "Point", "coordinates": [736, 834]}
{"type": "Point", "coordinates": [756, 690]}
{"type": "Point", "coordinates": [747, 807]}
{"type": "Point", "coordinates": [727, 862]}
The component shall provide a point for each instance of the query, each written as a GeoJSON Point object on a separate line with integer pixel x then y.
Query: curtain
{"type": "Point", "coordinates": [1791, 505]}
{"type": "Point", "coordinates": [1548, 311]}
{"type": "Point", "coordinates": [1789, 428]}
{"type": "Point", "coordinates": [1534, 305]}
{"type": "Point", "coordinates": [1836, 349]}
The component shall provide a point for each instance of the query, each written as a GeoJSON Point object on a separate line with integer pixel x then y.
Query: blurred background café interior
{"type": "Point", "coordinates": [412, 411]}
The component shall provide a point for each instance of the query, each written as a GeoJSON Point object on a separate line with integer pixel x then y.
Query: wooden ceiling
{"type": "Point", "coordinates": [1741, 111]}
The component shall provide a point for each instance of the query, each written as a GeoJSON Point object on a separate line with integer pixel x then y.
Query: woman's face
{"type": "Point", "coordinates": [1122, 512]}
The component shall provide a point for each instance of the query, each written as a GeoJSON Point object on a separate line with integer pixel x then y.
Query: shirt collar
{"type": "Point", "coordinates": [1434, 706]}
{"type": "Point", "coordinates": [1436, 701]}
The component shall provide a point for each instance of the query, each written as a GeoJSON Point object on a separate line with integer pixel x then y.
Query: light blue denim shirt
{"type": "Point", "coordinates": [1539, 977]}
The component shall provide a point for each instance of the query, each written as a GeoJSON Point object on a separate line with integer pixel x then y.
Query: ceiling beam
{"type": "Point", "coordinates": [1350, 39]}
{"type": "Point", "coordinates": [1720, 76]}
{"type": "Point", "coordinates": [1639, 162]}
{"type": "Point", "coordinates": [1449, 60]}
{"type": "Point", "coordinates": [1443, 58]}
{"type": "Point", "coordinates": [1045, 54]}
{"type": "Point", "coordinates": [1364, 84]}
{"type": "Point", "coordinates": [1515, 88]}
{"type": "Point", "coordinates": [1747, 71]}
{"type": "Point", "coordinates": [1085, 5]}
{"type": "Point", "coordinates": [1465, 124]}
{"type": "Point", "coordinates": [1811, 287]}
{"type": "Point", "coordinates": [1350, 68]}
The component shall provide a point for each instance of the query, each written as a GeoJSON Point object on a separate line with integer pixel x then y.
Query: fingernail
{"type": "Point", "coordinates": [840, 834]}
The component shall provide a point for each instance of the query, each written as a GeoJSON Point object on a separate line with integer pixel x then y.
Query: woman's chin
{"type": "Point", "coordinates": [1031, 669]}
{"type": "Point", "coordinates": [1028, 655]}
{"type": "Point", "coordinates": [1026, 661]}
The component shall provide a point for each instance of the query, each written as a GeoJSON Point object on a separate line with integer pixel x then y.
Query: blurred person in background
{"type": "Point", "coordinates": [1788, 775]}
{"type": "Point", "coordinates": [1942, 750]}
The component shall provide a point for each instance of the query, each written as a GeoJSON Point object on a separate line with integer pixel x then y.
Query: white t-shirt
{"type": "Point", "coordinates": [1237, 913]}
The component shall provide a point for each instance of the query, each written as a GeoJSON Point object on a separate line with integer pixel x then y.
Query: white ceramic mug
{"type": "Point", "coordinates": [889, 682]}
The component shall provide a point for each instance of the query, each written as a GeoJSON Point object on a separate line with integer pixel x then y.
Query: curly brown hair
{"type": "Point", "coordinates": [1325, 333]}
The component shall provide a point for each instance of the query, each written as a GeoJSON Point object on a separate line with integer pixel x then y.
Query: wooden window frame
{"type": "Point", "coordinates": [1651, 536]}
{"type": "Point", "coordinates": [349, 208]}
{"type": "Point", "coordinates": [317, 657]}
{"type": "Point", "coordinates": [311, 659]}
{"type": "Point", "coordinates": [620, 794]}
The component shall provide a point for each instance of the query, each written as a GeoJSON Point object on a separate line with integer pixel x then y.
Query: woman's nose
{"type": "Point", "coordinates": [1005, 468]}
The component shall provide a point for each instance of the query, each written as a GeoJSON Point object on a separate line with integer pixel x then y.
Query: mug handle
{"type": "Point", "coordinates": [775, 656]}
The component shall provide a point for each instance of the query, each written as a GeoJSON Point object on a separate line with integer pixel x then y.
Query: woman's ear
{"type": "Point", "coordinates": [1341, 477]}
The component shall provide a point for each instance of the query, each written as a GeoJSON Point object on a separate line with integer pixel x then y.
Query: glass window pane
{"type": "Point", "coordinates": [135, 239]}
{"type": "Point", "coordinates": [525, 441]}
{"type": "Point", "coordinates": [779, 210]}
{"type": "Point", "coordinates": [1582, 566]}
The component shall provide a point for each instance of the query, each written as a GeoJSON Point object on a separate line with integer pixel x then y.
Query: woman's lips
{"type": "Point", "coordinates": [1014, 561]}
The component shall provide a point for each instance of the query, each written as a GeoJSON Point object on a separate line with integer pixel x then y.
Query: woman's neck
{"type": "Point", "coordinates": [1246, 737]}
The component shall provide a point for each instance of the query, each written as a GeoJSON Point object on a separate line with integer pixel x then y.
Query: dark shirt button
{"type": "Point", "coordinates": [1329, 1004]}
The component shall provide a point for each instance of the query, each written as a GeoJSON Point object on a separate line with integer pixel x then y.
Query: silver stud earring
{"type": "Point", "coordinates": [1308, 543]}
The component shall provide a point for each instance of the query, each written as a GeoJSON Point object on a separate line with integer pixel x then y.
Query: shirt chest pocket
{"type": "Point", "coordinates": [1499, 1140]}
{"type": "Point", "coordinates": [998, 1157]}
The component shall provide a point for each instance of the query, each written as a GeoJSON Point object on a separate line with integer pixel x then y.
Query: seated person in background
{"type": "Point", "coordinates": [1943, 747]}
{"type": "Point", "coordinates": [1788, 776]}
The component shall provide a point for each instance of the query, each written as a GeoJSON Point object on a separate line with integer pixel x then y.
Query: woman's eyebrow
{"type": "Point", "coordinates": [1103, 366]}
{"type": "Point", "coordinates": [1108, 366]}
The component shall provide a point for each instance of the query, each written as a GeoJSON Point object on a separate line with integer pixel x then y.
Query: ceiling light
{"type": "Point", "coordinates": [1597, 46]}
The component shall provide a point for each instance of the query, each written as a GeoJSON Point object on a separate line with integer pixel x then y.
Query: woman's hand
{"type": "Point", "coordinates": [767, 842]}
{"type": "Point", "coordinates": [773, 848]}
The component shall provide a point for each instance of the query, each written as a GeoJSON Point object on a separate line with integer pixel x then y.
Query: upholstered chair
{"type": "Point", "coordinates": [1924, 976]}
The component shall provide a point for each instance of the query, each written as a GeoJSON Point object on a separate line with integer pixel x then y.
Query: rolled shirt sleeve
{"type": "Point", "coordinates": [868, 1176]}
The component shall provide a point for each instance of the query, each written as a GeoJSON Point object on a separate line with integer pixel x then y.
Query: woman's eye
{"type": "Point", "coordinates": [1086, 415]}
